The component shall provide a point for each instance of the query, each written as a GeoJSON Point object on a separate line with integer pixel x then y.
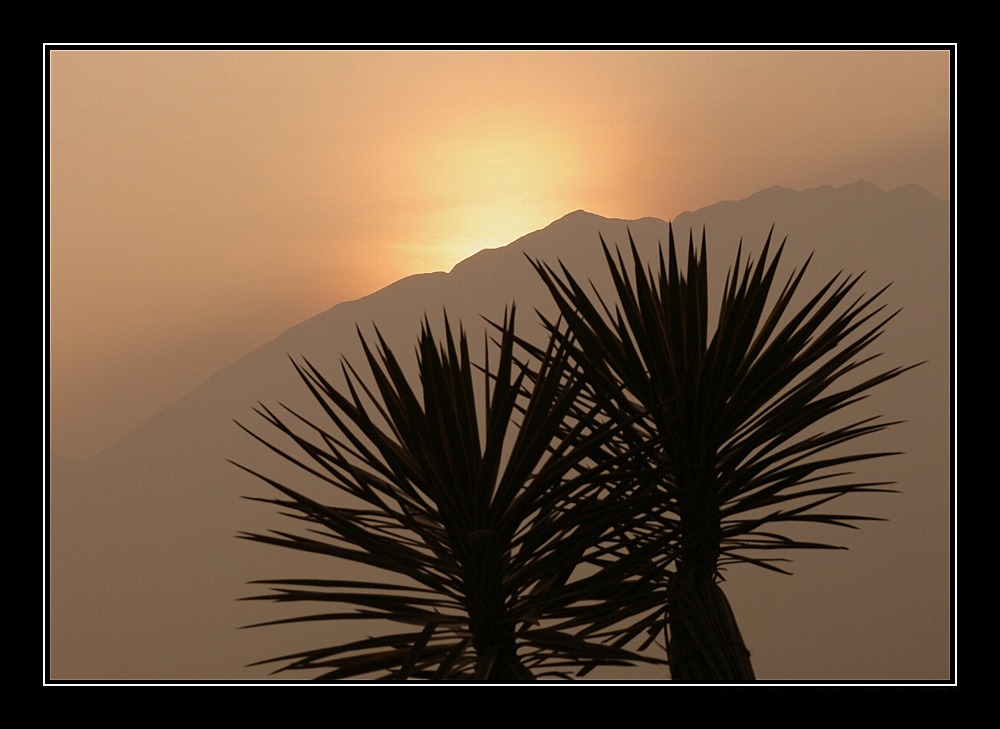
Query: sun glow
{"type": "Point", "coordinates": [489, 186]}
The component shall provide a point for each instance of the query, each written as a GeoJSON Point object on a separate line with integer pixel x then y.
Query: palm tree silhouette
{"type": "Point", "coordinates": [734, 413]}
{"type": "Point", "coordinates": [499, 540]}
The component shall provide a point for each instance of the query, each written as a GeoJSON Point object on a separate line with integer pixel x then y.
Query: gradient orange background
{"type": "Point", "coordinates": [203, 201]}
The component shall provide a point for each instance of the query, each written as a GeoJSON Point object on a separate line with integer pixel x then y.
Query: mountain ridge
{"type": "Point", "coordinates": [518, 244]}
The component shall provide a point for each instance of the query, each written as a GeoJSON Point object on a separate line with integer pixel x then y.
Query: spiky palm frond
{"type": "Point", "coordinates": [736, 414]}
{"type": "Point", "coordinates": [486, 530]}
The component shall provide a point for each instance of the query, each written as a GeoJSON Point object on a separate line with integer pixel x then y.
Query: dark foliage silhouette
{"type": "Point", "coordinates": [498, 538]}
{"type": "Point", "coordinates": [735, 414]}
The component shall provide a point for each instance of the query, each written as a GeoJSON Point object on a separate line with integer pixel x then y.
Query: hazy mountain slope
{"type": "Point", "coordinates": [146, 573]}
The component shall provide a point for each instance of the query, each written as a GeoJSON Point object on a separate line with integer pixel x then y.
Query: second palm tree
{"type": "Point", "coordinates": [734, 413]}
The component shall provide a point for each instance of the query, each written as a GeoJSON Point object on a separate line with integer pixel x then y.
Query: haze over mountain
{"type": "Point", "coordinates": [146, 573]}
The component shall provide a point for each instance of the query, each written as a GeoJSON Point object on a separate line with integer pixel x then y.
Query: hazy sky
{"type": "Point", "coordinates": [204, 201]}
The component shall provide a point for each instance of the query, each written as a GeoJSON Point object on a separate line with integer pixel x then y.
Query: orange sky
{"type": "Point", "coordinates": [204, 201]}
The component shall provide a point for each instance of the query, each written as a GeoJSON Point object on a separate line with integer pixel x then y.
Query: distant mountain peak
{"type": "Point", "coordinates": [576, 215]}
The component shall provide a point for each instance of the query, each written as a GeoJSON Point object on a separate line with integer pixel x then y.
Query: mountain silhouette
{"type": "Point", "coordinates": [146, 572]}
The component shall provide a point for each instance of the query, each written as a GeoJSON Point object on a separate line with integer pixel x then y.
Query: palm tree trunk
{"type": "Point", "coordinates": [501, 664]}
{"type": "Point", "coordinates": [704, 644]}
{"type": "Point", "coordinates": [496, 654]}
{"type": "Point", "coordinates": [489, 620]}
